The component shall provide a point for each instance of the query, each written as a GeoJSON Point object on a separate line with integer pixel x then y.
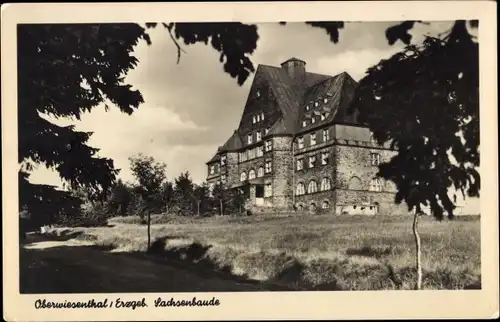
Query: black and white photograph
{"type": "Point", "coordinates": [207, 157]}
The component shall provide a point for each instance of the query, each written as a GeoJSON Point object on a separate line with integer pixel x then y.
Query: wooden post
{"type": "Point", "coordinates": [418, 285]}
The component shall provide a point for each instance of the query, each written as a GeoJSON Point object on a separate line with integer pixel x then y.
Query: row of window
{"type": "Point", "coordinates": [322, 117]}
{"type": "Point", "coordinates": [312, 187]}
{"type": "Point", "coordinates": [312, 206]}
{"type": "Point", "coordinates": [260, 172]}
{"type": "Point", "coordinates": [259, 152]}
{"type": "Point", "coordinates": [316, 104]}
{"type": "Point", "coordinates": [312, 161]}
{"type": "Point", "coordinates": [258, 118]}
{"type": "Point", "coordinates": [258, 136]}
{"type": "Point", "coordinates": [255, 152]}
{"type": "Point", "coordinates": [312, 139]}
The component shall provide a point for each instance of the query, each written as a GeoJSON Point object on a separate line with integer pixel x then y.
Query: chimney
{"type": "Point", "coordinates": [295, 68]}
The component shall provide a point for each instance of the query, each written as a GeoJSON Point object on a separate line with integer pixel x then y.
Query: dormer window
{"type": "Point", "coordinates": [259, 136]}
{"type": "Point", "coordinates": [249, 138]}
{"type": "Point", "coordinates": [307, 108]}
{"type": "Point", "coordinates": [254, 119]}
{"type": "Point", "coordinates": [262, 116]}
{"type": "Point", "coordinates": [325, 100]}
{"type": "Point", "coordinates": [304, 123]}
{"type": "Point", "coordinates": [258, 118]}
{"type": "Point", "coordinates": [266, 131]}
{"type": "Point", "coordinates": [223, 160]}
{"type": "Point", "coordinates": [316, 104]}
{"type": "Point", "coordinates": [313, 120]}
{"type": "Point", "coordinates": [323, 116]}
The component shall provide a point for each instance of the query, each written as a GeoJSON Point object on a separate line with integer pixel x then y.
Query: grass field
{"type": "Point", "coordinates": [310, 252]}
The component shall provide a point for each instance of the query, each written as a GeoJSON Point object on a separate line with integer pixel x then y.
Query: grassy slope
{"type": "Point", "coordinates": [313, 252]}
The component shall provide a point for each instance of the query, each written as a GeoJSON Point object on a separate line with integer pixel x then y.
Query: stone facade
{"type": "Point", "coordinates": [299, 148]}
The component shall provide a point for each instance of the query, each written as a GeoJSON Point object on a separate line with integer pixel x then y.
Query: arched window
{"type": "Point", "coordinates": [375, 185]}
{"type": "Point", "coordinates": [243, 176]}
{"type": "Point", "coordinates": [300, 190]}
{"type": "Point", "coordinates": [312, 187]}
{"type": "Point", "coordinates": [260, 172]}
{"type": "Point", "coordinates": [325, 184]}
{"type": "Point", "coordinates": [251, 174]}
{"type": "Point", "coordinates": [325, 205]}
{"type": "Point", "coordinates": [355, 184]}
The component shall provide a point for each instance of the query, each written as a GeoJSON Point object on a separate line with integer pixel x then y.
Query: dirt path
{"type": "Point", "coordinates": [51, 266]}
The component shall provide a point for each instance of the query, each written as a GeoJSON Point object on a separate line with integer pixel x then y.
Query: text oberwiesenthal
{"type": "Point", "coordinates": [119, 303]}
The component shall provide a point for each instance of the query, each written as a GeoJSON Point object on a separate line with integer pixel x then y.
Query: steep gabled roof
{"type": "Point", "coordinates": [337, 90]}
{"type": "Point", "coordinates": [232, 144]}
{"type": "Point", "coordinates": [289, 94]}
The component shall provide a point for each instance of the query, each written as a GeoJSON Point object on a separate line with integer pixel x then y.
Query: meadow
{"type": "Point", "coordinates": [308, 252]}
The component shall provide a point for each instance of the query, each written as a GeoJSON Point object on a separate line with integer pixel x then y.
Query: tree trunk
{"type": "Point", "coordinates": [149, 231]}
{"type": "Point", "coordinates": [418, 285]}
{"type": "Point", "coordinates": [198, 208]}
{"type": "Point", "coordinates": [221, 210]}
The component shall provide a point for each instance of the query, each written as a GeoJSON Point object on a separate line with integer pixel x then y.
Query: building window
{"type": "Point", "coordinates": [254, 119]}
{"type": "Point", "coordinates": [313, 138]}
{"type": "Point", "coordinates": [312, 161]}
{"type": "Point", "coordinates": [258, 118]}
{"type": "Point", "coordinates": [325, 100]}
{"type": "Point", "coordinates": [223, 160]}
{"type": "Point", "coordinates": [243, 176]}
{"type": "Point", "coordinates": [259, 136]}
{"type": "Point", "coordinates": [269, 146]}
{"type": "Point", "coordinates": [316, 104]}
{"type": "Point", "coordinates": [268, 190]}
{"type": "Point", "coordinates": [223, 178]}
{"type": "Point", "coordinates": [301, 142]}
{"type": "Point", "coordinates": [266, 131]}
{"type": "Point", "coordinates": [326, 184]}
{"type": "Point", "coordinates": [262, 116]}
{"type": "Point", "coordinates": [268, 167]}
{"type": "Point", "coordinates": [251, 174]}
{"type": "Point", "coordinates": [326, 135]}
{"type": "Point", "coordinates": [258, 93]}
{"type": "Point", "coordinates": [313, 120]}
{"type": "Point", "coordinates": [260, 151]}
{"type": "Point", "coordinates": [304, 123]}
{"type": "Point", "coordinates": [243, 156]}
{"type": "Point", "coordinates": [324, 158]}
{"type": "Point", "coordinates": [325, 205]}
{"type": "Point", "coordinates": [260, 172]}
{"type": "Point", "coordinates": [251, 154]}
{"type": "Point", "coordinates": [212, 169]}
{"type": "Point", "coordinates": [300, 164]}
{"type": "Point", "coordinates": [249, 138]}
{"type": "Point", "coordinates": [307, 107]}
{"type": "Point", "coordinates": [375, 158]}
{"type": "Point", "coordinates": [300, 189]}
{"type": "Point", "coordinates": [312, 187]}
{"type": "Point", "coordinates": [323, 116]}
{"type": "Point", "coordinates": [375, 185]}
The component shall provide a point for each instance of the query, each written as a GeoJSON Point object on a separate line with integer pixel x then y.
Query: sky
{"type": "Point", "coordinates": [193, 106]}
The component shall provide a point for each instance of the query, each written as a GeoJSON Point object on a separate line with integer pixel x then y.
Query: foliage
{"type": "Point", "coordinates": [150, 176]}
{"type": "Point", "coordinates": [426, 100]}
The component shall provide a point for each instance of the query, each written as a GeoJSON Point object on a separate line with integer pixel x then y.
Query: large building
{"type": "Point", "coordinates": [298, 146]}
